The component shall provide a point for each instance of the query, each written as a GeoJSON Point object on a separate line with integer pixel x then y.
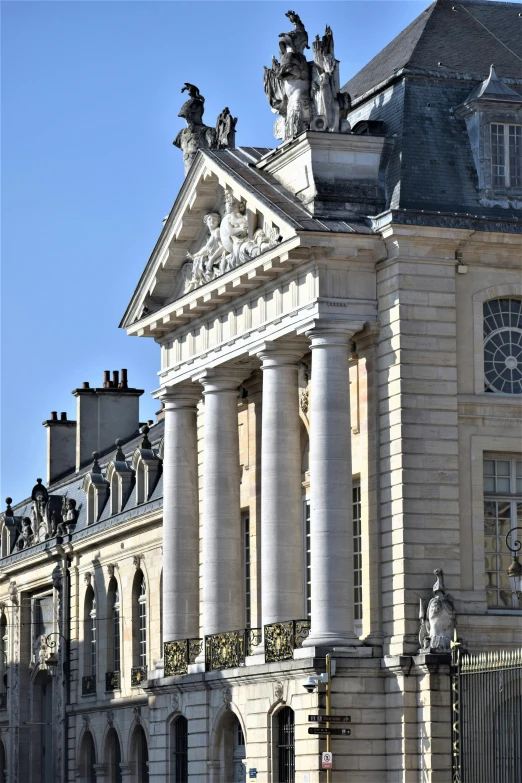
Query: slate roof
{"type": "Point", "coordinates": [72, 487]}
{"type": "Point", "coordinates": [465, 41]}
{"type": "Point", "coordinates": [240, 164]}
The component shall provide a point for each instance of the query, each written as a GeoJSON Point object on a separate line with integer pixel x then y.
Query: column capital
{"type": "Point", "coordinates": [323, 333]}
{"type": "Point", "coordinates": [184, 395]}
{"type": "Point", "coordinates": [223, 378]}
{"type": "Point", "coordinates": [277, 353]}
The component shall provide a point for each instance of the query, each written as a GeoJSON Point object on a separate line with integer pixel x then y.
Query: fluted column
{"type": "Point", "coordinates": [331, 527]}
{"type": "Point", "coordinates": [180, 514]}
{"type": "Point", "coordinates": [222, 567]}
{"type": "Point", "coordinates": [281, 491]}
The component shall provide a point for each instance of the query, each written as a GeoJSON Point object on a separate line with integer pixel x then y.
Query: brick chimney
{"type": "Point", "coordinates": [61, 445]}
{"type": "Point", "coordinates": [104, 414]}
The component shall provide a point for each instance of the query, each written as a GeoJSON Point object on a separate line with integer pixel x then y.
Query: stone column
{"type": "Point", "coordinates": [281, 491]}
{"type": "Point", "coordinates": [180, 514]}
{"type": "Point", "coordinates": [222, 567]}
{"type": "Point", "coordinates": [331, 527]}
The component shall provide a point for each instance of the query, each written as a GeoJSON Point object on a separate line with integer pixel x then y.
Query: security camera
{"type": "Point", "coordinates": [310, 685]}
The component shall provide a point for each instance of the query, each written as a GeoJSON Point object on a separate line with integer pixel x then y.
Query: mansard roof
{"type": "Point", "coordinates": [450, 37]}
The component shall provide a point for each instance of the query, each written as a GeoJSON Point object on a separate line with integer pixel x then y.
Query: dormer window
{"type": "Point", "coordinates": [506, 155]}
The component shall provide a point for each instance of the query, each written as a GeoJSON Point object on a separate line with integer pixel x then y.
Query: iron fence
{"type": "Point", "coordinates": [487, 716]}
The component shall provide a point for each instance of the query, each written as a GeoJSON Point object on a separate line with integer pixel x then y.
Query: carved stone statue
{"type": "Point", "coordinates": [438, 620]}
{"type": "Point", "coordinates": [227, 246]}
{"type": "Point", "coordinates": [197, 135]}
{"type": "Point", "coordinates": [69, 516]}
{"type": "Point", "coordinates": [306, 94]}
{"type": "Point", "coordinates": [42, 650]}
{"type": "Point", "coordinates": [206, 261]}
{"type": "Point", "coordinates": [26, 536]}
{"type": "Point", "coordinates": [40, 523]}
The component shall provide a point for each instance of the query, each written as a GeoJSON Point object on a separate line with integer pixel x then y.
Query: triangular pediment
{"type": "Point", "coordinates": [210, 188]}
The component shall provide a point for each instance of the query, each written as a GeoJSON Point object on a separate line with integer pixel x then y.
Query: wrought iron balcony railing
{"type": "Point", "coordinates": [112, 681]}
{"type": "Point", "coordinates": [89, 685]}
{"type": "Point", "coordinates": [281, 639]}
{"type": "Point", "coordinates": [228, 650]}
{"type": "Point", "coordinates": [3, 701]}
{"type": "Point", "coordinates": [178, 655]}
{"type": "Point", "coordinates": [138, 675]}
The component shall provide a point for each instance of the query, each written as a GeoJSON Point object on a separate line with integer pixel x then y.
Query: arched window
{"type": "Point", "coordinates": [89, 634]}
{"type": "Point", "coordinates": [140, 757]}
{"type": "Point", "coordinates": [229, 751]}
{"type": "Point", "coordinates": [179, 750]}
{"type": "Point", "coordinates": [503, 346]}
{"type": "Point", "coordinates": [112, 757]}
{"type": "Point", "coordinates": [285, 737]}
{"type": "Point", "coordinates": [139, 628]}
{"type": "Point", "coordinates": [113, 626]}
{"type": "Point", "coordinates": [87, 759]}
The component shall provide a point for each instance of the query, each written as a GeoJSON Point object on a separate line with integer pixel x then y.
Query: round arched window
{"type": "Point", "coordinates": [503, 346]}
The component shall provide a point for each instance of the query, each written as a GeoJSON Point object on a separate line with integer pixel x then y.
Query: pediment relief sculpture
{"type": "Point", "coordinates": [227, 246]}
{"type": "Point", "coordinates": [306, 94]}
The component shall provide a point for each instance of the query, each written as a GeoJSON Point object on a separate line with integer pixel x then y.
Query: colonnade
{"type": "Point", "coordinates": [332, 621]}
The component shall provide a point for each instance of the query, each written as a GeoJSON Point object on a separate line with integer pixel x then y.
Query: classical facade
{"type": "Point", "coordinates": [332, 489]}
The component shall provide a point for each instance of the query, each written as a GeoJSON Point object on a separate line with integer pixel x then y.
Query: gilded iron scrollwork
{"type": "Point", "coordinates": [88, 685]}
{"type": "Point", "coordinates": [112, 681]}
{"type": "Point", "coordinates": [253, 637]}
{"type": "Point", "coordinates": [224, 650]}
{"type": "Point", "coordinates": [179, 655]}
{"type": "Point", "coordinates": [138, 675]}
{"type": "Point", "coordinates": [281, 639]}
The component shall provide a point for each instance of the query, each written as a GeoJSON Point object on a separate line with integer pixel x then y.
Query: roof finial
{"type": "Point", "coordinates": [145, 443]}
{"type": "Point", "coordinates": [8, 510]}
{"type": "Point", "coordinates": [120, 456]}
{"type": "Point", "coordinates": [95, 464]}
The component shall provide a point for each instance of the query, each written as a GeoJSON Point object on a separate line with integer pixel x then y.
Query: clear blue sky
{"type": "Point", "coordinates": [90, 97]}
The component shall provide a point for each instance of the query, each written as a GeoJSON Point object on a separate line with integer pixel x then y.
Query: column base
{"type": "Point", "coordinates": [332, 640]}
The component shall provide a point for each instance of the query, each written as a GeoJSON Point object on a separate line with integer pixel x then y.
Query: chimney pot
{"type": "Point", "coordinates": [54, 416]}
{"type": "Point", "coordinates": [85, 385]}
{"type": "Point", "coordinates": [106, 379]}
{"type": "Point", "coordinates": [124, 380]}
{"type": "Point", "coordinates": [63, 416]}
{"type": "Point", "coordinates": [115, 378]}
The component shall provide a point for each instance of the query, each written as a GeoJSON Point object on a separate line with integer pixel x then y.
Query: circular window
{"type": "Point", "coordinates": [503, 346]}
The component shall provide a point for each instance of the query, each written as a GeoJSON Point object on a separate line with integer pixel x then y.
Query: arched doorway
{"type": "Point", "coordinates": [140, 756]}
{"type": "Point", "coordinates": [87, 759]}
{"type": "Point", "coordinates": [42, 729]}
{"type": "Point", "coordinates": [112, 757]}
{"type": "Point", "coordinates": [230, 750]}
{"type": "Point", "coordinates": [284, 734]}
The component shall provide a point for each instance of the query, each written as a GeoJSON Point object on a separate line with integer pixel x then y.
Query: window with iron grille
{"type": "Point", "coordinates": [286, 745]}
{"type": "Point", "coordinates": [180, 749]}
{"type": "Point", "coordinates": [245, 521]}
{"type": "Point", "coordinates": [142, 624]}
{"type": "Point", "coordinates": [502, 512]}
{"type": "Point", "coordinates": [506, 155]}
{"type": "Point", "coordinates": [503, 346]}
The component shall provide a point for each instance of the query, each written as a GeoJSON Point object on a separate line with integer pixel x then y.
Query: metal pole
{"type": "Point", "coordinates": [328, 712]}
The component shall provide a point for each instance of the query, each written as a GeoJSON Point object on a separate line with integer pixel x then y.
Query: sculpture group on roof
{"type": "Point", "coordinates": [306, 94]}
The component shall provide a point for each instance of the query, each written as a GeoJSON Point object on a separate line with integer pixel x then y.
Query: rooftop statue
{"type": "Point", "coordinates": [438, 619]}
{"type": "Point", "coordinates": [306, 94]}
{"type": "Point", "coordinates": [197, 135]}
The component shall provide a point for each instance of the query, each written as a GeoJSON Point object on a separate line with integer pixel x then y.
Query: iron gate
{"type": "Point", "coordinates": [487, 716]}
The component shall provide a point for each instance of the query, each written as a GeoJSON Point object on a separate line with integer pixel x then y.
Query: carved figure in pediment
{"type": "Point", "coordinates": [233, 232]}
{"type": "Point", "coordinates": [264, 239]}
{"type": "Point", "coordinates": [206, 261]}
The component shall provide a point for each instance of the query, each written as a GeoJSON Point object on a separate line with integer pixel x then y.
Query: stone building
{"type": "Point", "coordinates": [340, 328]}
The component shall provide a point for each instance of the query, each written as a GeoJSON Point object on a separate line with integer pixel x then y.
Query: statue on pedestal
{"type": "Point", "coordinates": [438, 620]}
{"type": "Point", "coordinates": [306, 94]}
{"type": "Point", "coordinates": [197, 135]}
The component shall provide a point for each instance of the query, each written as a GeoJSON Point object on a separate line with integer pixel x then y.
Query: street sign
{"type": "Point", "coordinates": [326, 762]}
{"type": "Point", "coordinates": [252, 772]}
{"type": "Point", "coordinates": [325, 731]}
{"type": "Point", "coordinates": [330, 718]}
